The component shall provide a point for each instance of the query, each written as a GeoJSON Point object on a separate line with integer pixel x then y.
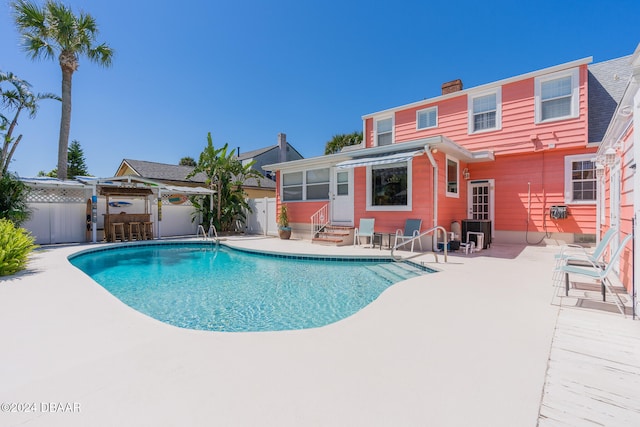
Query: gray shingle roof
{"type": "Point", "coordinates": [166, 172]}
{"type": "Point", "coordinates": [607, 83]}
{"type": "Point", "coordinates": [255, 153]}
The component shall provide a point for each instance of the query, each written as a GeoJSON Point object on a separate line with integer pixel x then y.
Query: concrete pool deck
{"type": "Point", "coordinates": [478, 343]}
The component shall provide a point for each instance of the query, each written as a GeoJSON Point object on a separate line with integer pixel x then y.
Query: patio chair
{"type": "Point", "coordinates": [364, 230]}
{"type": "Point", "coordinates": [411, 230]}
{"type": "Point", "coordinates": [571, 254]}
{"type": "Point", "coordinates": [596, 271]}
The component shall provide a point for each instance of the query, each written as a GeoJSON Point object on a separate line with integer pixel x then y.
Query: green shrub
{"type": "Point", "coordinates": [13, 199]}
{"type": "Point", "coordinates": [15, 246]}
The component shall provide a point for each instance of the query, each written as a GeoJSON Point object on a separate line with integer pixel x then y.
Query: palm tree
{"type": "Point", "coordinates": [16, 97]}
{"type": "Point", "coordinates": [342, 140]}
{"type": "Point", "coordinates": [54, 29]}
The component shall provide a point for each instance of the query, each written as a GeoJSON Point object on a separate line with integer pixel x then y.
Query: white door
{"type": "Point", "coordinates": [480, 201]}
{"type": "Point", "coordinates": [342, 197]}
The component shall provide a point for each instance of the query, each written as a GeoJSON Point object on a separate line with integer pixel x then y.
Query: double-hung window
{"type": "Point", "coordinates": [485, 111]}
{"type": "Point", "coordinates": [291, 186]}
{"type": "Point", "coordinates": [309, 185]}
{"type": "Point", "coordinates": [556, 96]}
{"type": "Point", "coordinates": [318, 184]}
{"type": "Point", "coordinates": [580, 179]}
{"type": "Point", "coordinates": [384, 131]}
{"type": "Point", "coordinates": [427, 118]}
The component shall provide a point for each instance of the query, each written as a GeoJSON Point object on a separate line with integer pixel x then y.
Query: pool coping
{"type": "Point", "coordinates": [475, 336]}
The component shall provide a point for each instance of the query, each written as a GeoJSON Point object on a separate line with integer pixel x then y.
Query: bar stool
{"type": "Point", "coordinates": [135, 231]}
{"type": "Point", "coordinates": [147, 230]}
{"type": "Point", "coordinates": [115, 228]}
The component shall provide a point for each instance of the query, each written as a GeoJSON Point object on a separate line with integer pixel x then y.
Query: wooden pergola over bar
{"type": "Point", "coordinates": [121, 217]}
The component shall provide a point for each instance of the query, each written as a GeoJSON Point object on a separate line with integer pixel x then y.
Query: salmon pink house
{"type": "Point", "coordinates": [518, 154]}
{"type": "Point", "coordinates": [619, 204]}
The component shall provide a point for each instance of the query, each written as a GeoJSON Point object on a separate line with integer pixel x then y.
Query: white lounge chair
{"type": "Point", "coordinates": [364, 230]}
{"type": "Point", "coordinates": [597, 272]}
{"type": "Point", "coordinates": [571, 254]}
{"type": "Point", "coordinates": [411, 230]}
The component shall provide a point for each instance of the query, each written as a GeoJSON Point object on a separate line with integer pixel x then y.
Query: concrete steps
{"type": "Point", "coordinates": [335, 235]}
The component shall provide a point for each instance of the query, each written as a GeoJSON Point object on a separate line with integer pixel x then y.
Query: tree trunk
{"type": "Point", "coordinates": [65, 119]}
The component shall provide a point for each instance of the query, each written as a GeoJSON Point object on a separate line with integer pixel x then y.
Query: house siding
{"type": "Point", "coordinates": [528, 157]}
{"type": "Point", "coordinates": [518, 134]}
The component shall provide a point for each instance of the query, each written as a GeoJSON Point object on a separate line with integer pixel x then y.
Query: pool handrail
{"type": "Point", "coordinates": [431, 230]}
{"type": "Point", "coordinates": [211, 234]}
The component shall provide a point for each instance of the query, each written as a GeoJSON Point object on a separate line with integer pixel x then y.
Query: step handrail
{"type": "Point", "coordinates": [431, 230]}
{"type": "Point", "coordinates": [319, 220]}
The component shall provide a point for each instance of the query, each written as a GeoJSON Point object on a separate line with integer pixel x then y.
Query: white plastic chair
{"type": "Point", "coordinates": [411, 230]}
{"type": "Point", "coordinates": [364, 230]}
{"type": "Point", "coordinates": [595, 270]}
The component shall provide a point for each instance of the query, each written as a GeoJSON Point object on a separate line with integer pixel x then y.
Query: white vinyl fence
{"type": "Point", "coordinates": [263, 218]}
{"type": "Point", "coordinates": [59, 215]}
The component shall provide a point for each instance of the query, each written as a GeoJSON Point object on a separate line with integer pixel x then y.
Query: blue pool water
{"type": "Point", "coordinates": [198, 286]}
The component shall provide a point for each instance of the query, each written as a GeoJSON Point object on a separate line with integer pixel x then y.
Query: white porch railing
{"type": "Point", "coordinates": [319, 220]}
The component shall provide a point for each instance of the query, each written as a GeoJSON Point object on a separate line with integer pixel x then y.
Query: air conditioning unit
{"type": "Point", "coordinates": [559, 212]}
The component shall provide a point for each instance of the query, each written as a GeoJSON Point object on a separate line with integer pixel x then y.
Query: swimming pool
{"type": "Point", "coordinates": [217, 288]}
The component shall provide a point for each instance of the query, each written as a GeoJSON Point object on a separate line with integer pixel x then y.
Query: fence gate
{"type": "Point", "coordinates": [263, 218]}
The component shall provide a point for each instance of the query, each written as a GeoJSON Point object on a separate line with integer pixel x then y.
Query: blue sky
{"type": "Point", "coordinates": [247, 70]}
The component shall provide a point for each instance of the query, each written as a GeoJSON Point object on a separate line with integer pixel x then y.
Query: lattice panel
{"type": "Point", "coordinates": [56, 195]}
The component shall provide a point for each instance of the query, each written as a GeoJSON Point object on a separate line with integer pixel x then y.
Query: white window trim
{"type": "Point", "coordinates": [304, 185]}
{"type": "Point", "coordinates": [446, 176]}
{"type": "Point", "coordinates": [408, 207]}
{"type": "Point", "coordinates": [375, 129]}
{"type": "Point", "coordinates": [575, 94]}
{"type": "Point", "coordinates": [471, 97]}
{"type": "Point", "coordinates": [426, 110]}
{"type": "Point", "coordinates": [568, 188]}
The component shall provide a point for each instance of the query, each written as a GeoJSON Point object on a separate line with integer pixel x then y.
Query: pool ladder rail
{"type": "Point", "coordinates": [435, 229]}
{"type": "Point", "coordinates": [211, 234]}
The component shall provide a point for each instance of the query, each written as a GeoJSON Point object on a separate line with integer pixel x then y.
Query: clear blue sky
{"type": "Point", "coordinates": [246, 70]}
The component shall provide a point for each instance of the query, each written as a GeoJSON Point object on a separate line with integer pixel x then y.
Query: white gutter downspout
{"type": "Point", "coordinates": [427, 149]}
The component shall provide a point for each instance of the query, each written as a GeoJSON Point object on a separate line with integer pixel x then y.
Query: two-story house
{"type": "Point", "coordinates": [515, 152]}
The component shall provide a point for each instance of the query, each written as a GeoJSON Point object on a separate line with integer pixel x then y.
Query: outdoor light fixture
{"type": "Point", "coordinates": [610, 156]}
{"type": "Point", "coordinates": [465, 173]}
{"type": "Point", "coordinates": [599, 170]}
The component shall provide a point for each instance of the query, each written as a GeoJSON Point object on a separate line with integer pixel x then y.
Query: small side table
{"type": "Point", "coordinates": [380, 236]}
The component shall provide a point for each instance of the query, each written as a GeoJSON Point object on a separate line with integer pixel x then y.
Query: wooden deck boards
{"type": "Point", "coordinates": [593, 376]}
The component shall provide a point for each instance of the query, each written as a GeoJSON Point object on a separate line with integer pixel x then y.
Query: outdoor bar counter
{"type": "Point", "coordinates": [125, 218]}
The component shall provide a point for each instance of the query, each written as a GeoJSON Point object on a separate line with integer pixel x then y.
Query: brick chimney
{"type": "Point", "coordinates": [282, 146]}
{"type": "Point", "coordinates": [452, 86]}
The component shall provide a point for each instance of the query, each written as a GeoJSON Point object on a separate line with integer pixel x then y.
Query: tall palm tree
{"type": "Point", "coordinates": [54, 29]}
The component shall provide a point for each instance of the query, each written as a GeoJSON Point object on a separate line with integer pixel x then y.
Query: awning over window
{"type": "Point", "coordinates": [381, 160]}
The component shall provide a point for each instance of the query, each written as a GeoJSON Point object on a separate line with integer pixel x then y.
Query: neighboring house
{"type": "Point", "coordinates": [517, 152]}
{"type": "Point", "coordinates": [281, 152]}
{"type": "Point", "coordinates": [619, 203]}
{"type": "Point", "coordinates": [176, 175]}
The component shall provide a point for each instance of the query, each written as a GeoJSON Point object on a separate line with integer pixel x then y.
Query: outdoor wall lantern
{"type": "Point", "coordinates": [610, 156]}
{"type": "Point", "coordinates": [465, 173]}
{"type": "Point", "coordinates": [599, 170]}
